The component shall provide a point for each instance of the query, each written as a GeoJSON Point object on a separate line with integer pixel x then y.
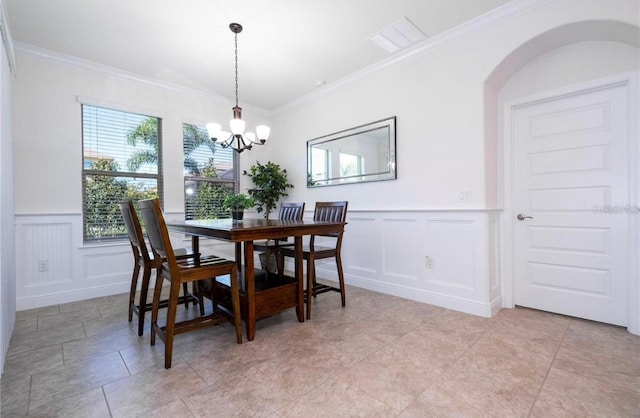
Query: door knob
{"type": "Point", "coordinates": [522, 217]}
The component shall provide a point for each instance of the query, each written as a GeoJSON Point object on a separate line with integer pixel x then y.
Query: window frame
{"type": "Point", "coordinates": [87, 172]}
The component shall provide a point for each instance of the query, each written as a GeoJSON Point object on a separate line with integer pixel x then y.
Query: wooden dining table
{"type": "Point", "coordinates": [281, 292]}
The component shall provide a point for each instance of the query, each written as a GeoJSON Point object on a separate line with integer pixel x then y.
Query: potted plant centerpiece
{"type": "Point", "coordinates": [270, 183]}
{"type": "Point", "coordinates": [237, 203]}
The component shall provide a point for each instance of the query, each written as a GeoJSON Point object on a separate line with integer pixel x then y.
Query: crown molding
{"type": "Point", "coordinates": [34, 51]}
{"type": "Point", "coordinates": [483, 22]}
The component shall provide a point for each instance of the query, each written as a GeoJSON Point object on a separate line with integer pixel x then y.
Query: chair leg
{"type": "Point", "coordinates": [185, 291]}
{"type": "Point", "coordinates": [171, 322]}
{"type": "Point", "coordinates": [157, 290]}
{"type": "Point", "coordinates": [235, 303]}
{"type": "Point", "coordinates": [146, 277]}
{"type": "Point", "coordinates": [341, 279]}
{"type": "Point", "coordinates": [311, 280]}
{"type": "Point", "coordinates": [200, 296]}
{"type": "Point", "coordinates": [280, 262]}
{"type": "Point", "coordinates": [134, 286]}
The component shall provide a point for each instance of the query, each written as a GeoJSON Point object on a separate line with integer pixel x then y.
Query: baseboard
{"type": "Point", "coordinates": [75, 295]}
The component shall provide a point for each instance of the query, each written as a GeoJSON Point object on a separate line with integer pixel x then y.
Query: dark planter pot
{"type": "Point", "coordinates": [237, 215]}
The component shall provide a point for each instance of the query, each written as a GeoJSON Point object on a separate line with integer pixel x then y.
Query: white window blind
{"type": "Point", "coordinates": [121, 161]}
{"type": "Point", "coordinates": [210, 174]}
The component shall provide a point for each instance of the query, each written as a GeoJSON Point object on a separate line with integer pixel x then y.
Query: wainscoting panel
{"type": "Point", "coordinates": [47, 253]}
{"type": "Point", "coordinates": [54, 266]}
{"type": "Point", "coordinates": [442, 257]}
{"type": "Point", "coordinates": [400, 249]}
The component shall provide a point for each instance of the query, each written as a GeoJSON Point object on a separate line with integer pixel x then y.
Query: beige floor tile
{"type": "Point", "coordinates": [617, 371]}
{"type": "Point", "coordinates": [378, 356]}
{"type": "Point", "coordinates": [88, 404]}
{"type": "Point", "coordinates": [151, 389]}
{"type": "Point", "coordinates": [349, 345]}
{"type": "Point", "coordinates": [525, 337]}
{"type": "Point", "coordinates": [34, 361]}
{"type": "Point", "coordinates": [603, 339]}
{"type": "Point", "coordinates": [389, 379]}
{"type": "Point", "coordinates": [383, 326]}
{"type": "Point", "coordinates": [98, 345]}
{"type": "Point", "coordinates": [14, 397]}
{"type": "Point", "coordinates": [67, 318]}
{"type": "Point", "coordinates": [544, 410]}
{"type": "Point", "coordinates": [411, 311]}
{"type": "Point", "coordinates": [37, 312]}
{"type": "Point", "coordinates": [54, 336]}
{"type": "Point", "coordinates": [429, 352]}
{"type": "Point", "coordinates": [434, 403]}
{"type": "Point", "coordinates": [495, 356]}
{"type": "Point", "coordinates": [460, 328]}
{"type": "Point", "coordinates": [336, 399]}
{"type": "Point", "coordinates": [25, 326]}
{"type": "Point", "coordinates": [495, 393]}
{"type": "Point", "coordinates": [238, 397]}
{"type": "Point", "coordinates": [112, 323]}
{"type": "Point", "coordinates": [86, 304]}
{"type": "Point", "coordinates": [63, 382]}
{"type": "Point", "coordinates": [175, 409]}
{"type": "Point", "coordinates": [542, 321]}
{"type": "Point", "coordinates": [588, 397]}
{"type": "Point", "coordinates": [139, 357]}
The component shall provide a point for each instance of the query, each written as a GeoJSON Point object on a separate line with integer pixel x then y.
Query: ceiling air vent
{"type": "Point", "coordinates": [399, 35]}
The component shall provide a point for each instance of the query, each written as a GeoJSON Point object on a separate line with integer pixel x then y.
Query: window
{"type": "Point", "coordinates": [121, 154]}
{"type": "Point", "coordinates": [351, 165]}
{"type": "Point", "coordinates": [210, 174]}
{"type": "Point", "coordinates": [319, 164]}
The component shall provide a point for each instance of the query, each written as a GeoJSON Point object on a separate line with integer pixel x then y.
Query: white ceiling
{"type": "Point", "coordinates": [286, 45]}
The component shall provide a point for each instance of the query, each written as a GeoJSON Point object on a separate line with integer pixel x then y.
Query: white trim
{"type": "Point", "coordinates": [34, 51]}
{"type": "Point", "coordinates": [7, 40]}
{"type": "Point", "coordinates": [507, 267]}
{"type": "Point", "coordinates": [485, 21]}
{"type": "Point", "coordinates": [49, 299]}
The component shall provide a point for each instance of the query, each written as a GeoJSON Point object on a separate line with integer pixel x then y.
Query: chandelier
{"type": "Point", "coordinates": [238, 139]}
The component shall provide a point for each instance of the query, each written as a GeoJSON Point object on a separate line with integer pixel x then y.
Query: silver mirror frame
{"type": "Point", "coordinates": [385, 170]}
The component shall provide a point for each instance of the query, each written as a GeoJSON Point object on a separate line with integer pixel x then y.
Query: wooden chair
{"type": "Point", "coordinates": [147, 262]}
{"type": "Point", "coordinates": [324, 211]}
{"type": "Point", "coordinates": [178, 272]}
{"type": "Point", "coordinates": [288, 211]}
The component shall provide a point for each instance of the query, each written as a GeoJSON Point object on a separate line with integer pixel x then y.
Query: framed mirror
{"type": "Point", "coordinates": [357, 155]}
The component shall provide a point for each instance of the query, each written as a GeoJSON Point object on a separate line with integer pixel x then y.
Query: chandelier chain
{"type": "Point", "coordinates": [236, 44]}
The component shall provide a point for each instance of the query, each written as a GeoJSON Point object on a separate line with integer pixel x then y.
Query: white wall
{"type": "Point", "coordinates": [438, 96]}
{"type": "Point", "coordinates": [7, 240]}
{"type": "Point", "coordinates": [48, 152]}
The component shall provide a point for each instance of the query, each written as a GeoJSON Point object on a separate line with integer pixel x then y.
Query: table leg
{"type": "Point", "coordinates": [250, 289]}
{"type": "Point", "coordinates": [195, 244]}
{"type": "Point", "coordinates": [298, 274]}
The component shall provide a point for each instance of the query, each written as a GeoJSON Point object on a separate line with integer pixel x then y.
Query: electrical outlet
{"type": "Point", "coordinates": [43, 265]}
{"type": "Point", "coordinates": [465, 196]}
{"type": "Point", "coordinates": [428, 262]}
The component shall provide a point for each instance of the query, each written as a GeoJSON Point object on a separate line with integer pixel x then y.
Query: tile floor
{"type": "Point", "coordinates": [381, 356]}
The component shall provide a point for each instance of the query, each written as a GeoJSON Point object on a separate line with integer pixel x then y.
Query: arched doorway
{"type": "Point", "coordinates": [557, 64]}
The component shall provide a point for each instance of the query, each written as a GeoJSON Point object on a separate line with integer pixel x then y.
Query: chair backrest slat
{"type": "Point", "coordinates": [331, 212]}
{"type": "Point", "coordinates": [134, 229]}
{"type": "Point", "coordinates": [157, 231]}
{"type": "Point", "coordinates": [291, 211]}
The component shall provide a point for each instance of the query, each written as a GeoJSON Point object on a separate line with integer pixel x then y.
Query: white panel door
{"type": "Point", "coordinates": [571, 178]}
